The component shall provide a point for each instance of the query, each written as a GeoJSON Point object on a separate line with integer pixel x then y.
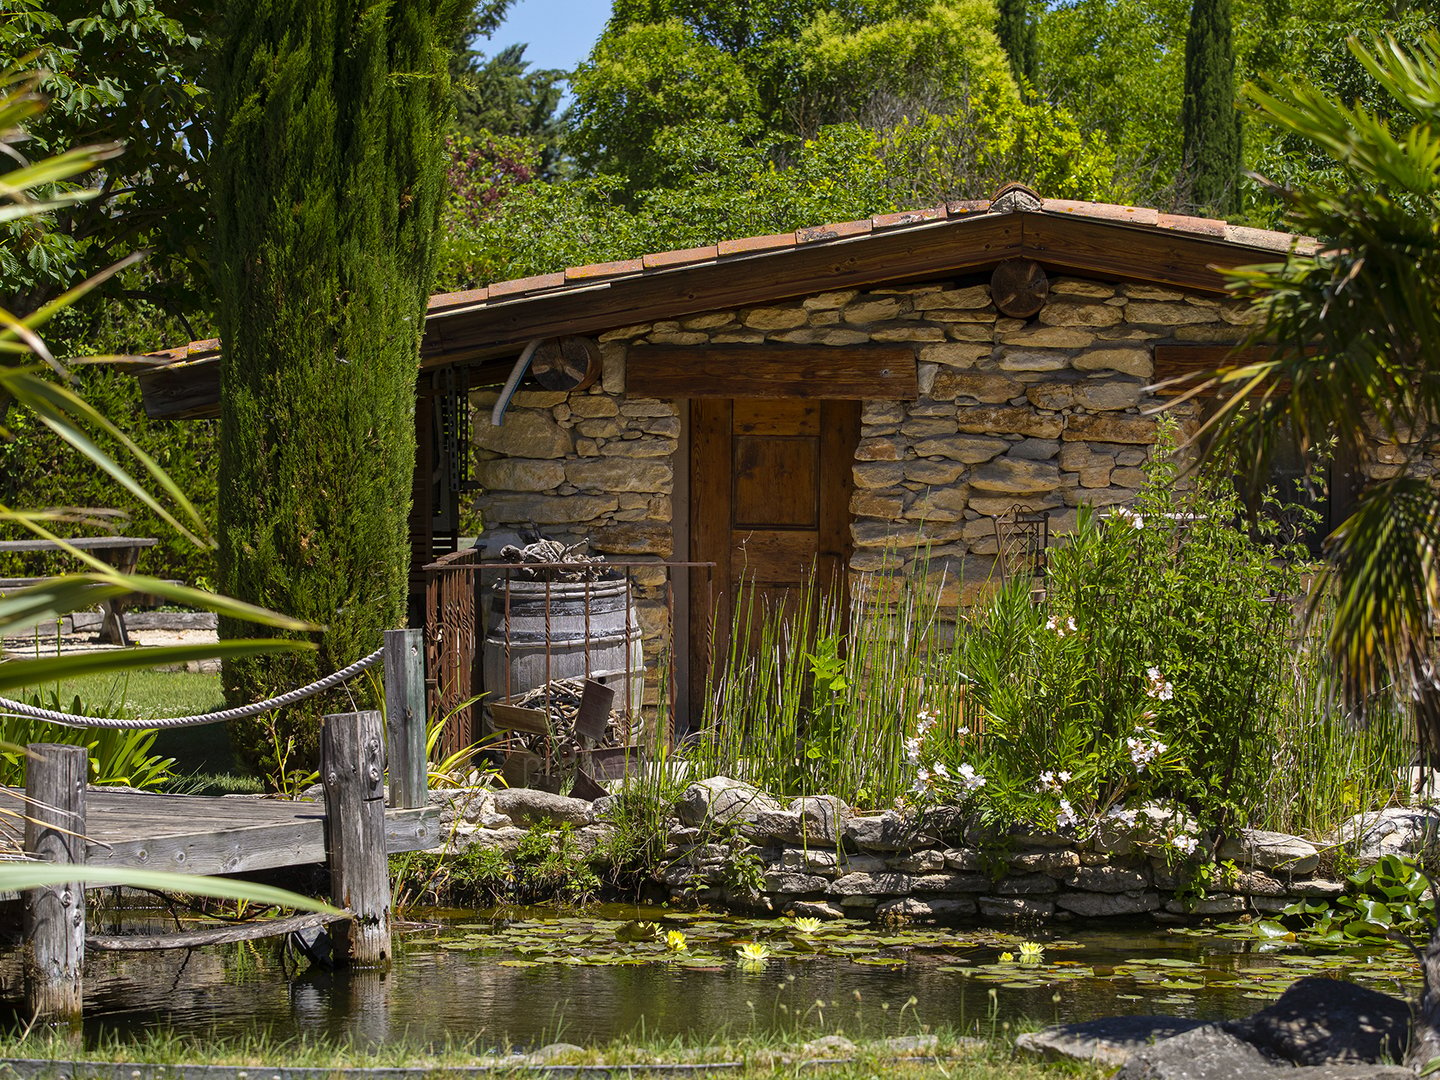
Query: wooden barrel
{"type": "Point", "coordinates": [539, 631]}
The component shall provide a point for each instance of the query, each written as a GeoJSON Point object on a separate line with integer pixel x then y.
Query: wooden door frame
{"type": "Point", "coordinates": [710, 423]}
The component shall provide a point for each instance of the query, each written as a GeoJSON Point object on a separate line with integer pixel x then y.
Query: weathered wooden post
{"type": "Point", "coordinates": [55, 778]}
{"type": "Point", "coordinates": [405, 716]}
{"type": "Point", "coordinates": [352, 767]}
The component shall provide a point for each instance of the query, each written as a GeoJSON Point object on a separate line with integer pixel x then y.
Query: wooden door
{"type": "Point", "coordinates": [770, 484]}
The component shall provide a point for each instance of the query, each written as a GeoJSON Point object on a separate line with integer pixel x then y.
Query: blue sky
{"type": "Point", "coordinates": [557, 33]}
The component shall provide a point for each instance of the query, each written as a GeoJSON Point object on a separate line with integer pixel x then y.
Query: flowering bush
{"type": "Point", "coordinates": [1150, 673]}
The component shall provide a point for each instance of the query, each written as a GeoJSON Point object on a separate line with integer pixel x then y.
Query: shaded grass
{"type": "Point", "coordinates": [203, 754]}
{"type": "Point", "coordinates": [948, 1055]}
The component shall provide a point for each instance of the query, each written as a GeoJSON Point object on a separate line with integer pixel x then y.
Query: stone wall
{"type": "Point", "coordinates": [1048, 412]}
{"type": "Point", "coordinates": [733, 847]}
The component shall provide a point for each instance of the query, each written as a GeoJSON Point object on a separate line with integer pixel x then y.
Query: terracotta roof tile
{"type": "Point", "coordinates": [967, 207]}
{"type": "Point", "coordinates": [751, 244]}
{"type": "Point", "coordinates": [539, 282]}
{"type": "Point", "coordinates": [662, 260]}
{"type": "Point", "coordinates": [840, 230]}
{"type": "Point", "coordinates": [907, 217]}
{"type": "Point", "coordinates": [455, 299]}
{"type": "Point", "coordinates": [604, 270]}
{"type": "Point", "coordinates": [1197, 225]}
{"type": "Point", "coordinates": [1024, 200]}
{"type": "Point", "coordinates": [1137, 215]}
{"type": "Point", "coordinates": [1261, 238]}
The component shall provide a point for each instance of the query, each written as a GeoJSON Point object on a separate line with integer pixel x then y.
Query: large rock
{"type": "Point", "coordinates": [935, 907]}
{"type": "Point", "coordinates": [1104, 905]}
{"type": "Point", "coordinates": [1208, 1052]}
{"type": "Point", "coordinates": [1270, 851]}
{"type": "Point", "coordinates": [1399, 830]}
{"type": "Point", "coordinates": [1108, 1041]}
{"type": "Point", "coordinates": [883, 832]}
{"type": "Point", "coordinates": [822, 818]}
{"type": "Point", "coordinates": [1329, 1022]}
{"type": "Point", "coordinates": [720, 800]}
{"type": "Point", "coordinates": [538, 807]}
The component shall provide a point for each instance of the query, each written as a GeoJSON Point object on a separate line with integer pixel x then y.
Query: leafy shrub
{"type": "Point", "coordinates": [1162, 666]}
{"type": "Point", "coordinates": [123, 756]}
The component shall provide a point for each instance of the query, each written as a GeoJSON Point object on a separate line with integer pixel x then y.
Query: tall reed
{"type": "Point", "coordinates": [818, 697]}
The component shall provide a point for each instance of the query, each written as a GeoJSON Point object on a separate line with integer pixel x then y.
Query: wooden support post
{"type": "Point", "coordinates": [405, 716]}
{"type": "Point", "coordinates": [55, 778]}
{"type": "Point", "coordinates": [352, 767]}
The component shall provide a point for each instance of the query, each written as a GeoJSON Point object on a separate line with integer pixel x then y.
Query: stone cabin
{"type": "Point", "coordinates": [837, 397]}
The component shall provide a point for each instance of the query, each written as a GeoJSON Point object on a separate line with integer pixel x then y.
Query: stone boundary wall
{"type": "Point", "coordinates": [1049, 412]}
{"type": "Point", "coordinates": [817, 857]}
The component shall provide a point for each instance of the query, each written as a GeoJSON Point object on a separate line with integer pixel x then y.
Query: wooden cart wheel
{"type": "Point", "coordinates": [566, 363]}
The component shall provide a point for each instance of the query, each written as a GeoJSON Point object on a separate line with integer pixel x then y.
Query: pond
{"type": "Point", "coordinates": [525, 977]}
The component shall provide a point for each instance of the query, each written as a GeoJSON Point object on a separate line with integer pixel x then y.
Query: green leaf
{"type": "Point", "coordinates": [15, 674]}
{"type": "Point", "coordinates": [17, 876]}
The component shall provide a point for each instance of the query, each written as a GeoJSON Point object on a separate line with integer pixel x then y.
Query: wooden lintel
{"type": "Point", "coordinates": [1191, 362]}
{"type": "Point", "coordinates": [773, 371]}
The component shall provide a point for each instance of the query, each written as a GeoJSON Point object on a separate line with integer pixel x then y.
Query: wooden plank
{"type": "Point", "coordinates": [495, 332]}
{"type": "Point", "coordinates": [773, 371]}
{"type": "Point", "coordinates": [774, 556]}
{"type": "Point", "coordinates": [839, 436]}
{"type": "Point", "coordinates": [1179, 361]}
{"type": "Point", "coordinates": [1162, 256]}
{"type": "Point", "coordinates": [514, 718]}
{"type": "Point", "coordinates": [210, 935]}
{"type": "Point", "coordinates": [776, 479]}
{"type": "Point", "coordinates": [405, 717]}
{"type": "Point", "coordinates": [208, 848]}
{"type": "Point", "coordinates": [710, 491]}
{"type": "Point", "coordinates": [83, 543]}
{"type": "Point", "coordinates": [776, 416]}
{"type": "Point", "coordinates": [188, 391]}
{"type": "Point", "coordinates": [946, 248]}
{"type": "Point", "coordinates": [54, 919]}
{"type": "Point", "coordinates": [352, 760]}
{"type": "Point", "coordinates": [228, 851]}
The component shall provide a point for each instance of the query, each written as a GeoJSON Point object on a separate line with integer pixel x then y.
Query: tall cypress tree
{"type": "Point", "coordinates": [1018, 37]}
{"type": "Point", "coordinates": [1209, 121]}
{"type": "Point", "coordinates": [327, 184]}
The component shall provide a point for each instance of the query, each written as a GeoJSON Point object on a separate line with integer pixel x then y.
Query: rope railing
{"type": "Point", "coordinates": [242, 712]}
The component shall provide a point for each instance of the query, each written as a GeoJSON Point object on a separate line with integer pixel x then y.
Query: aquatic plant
{"type": "Point", "coordinates": [675, 940]}
{"type": "Point", "coordinates": [1031, 952]}
{"type": "Point", "coordinates": [752, 952]}
{"type": "Point", "coordinates": [805, 925]}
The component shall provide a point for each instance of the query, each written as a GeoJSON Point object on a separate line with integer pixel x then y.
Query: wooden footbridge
{"type": "Point", "coordinates": [353, 831]}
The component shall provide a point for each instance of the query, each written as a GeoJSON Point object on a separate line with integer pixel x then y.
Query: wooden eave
{"type": "Point", "coordinates": [490, 331]}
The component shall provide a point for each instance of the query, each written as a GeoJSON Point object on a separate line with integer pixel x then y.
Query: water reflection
{"type": "Point", "coordinates": [439, 996]}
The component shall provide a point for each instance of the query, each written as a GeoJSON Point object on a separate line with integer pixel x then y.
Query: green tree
{"type": "Point", "coordinates": [500, 95]}
{"type": "Point", "coordinates": [1209, 122]}
{"type": "Point", "coordinates": [1016, 31]}
{"type": "Point", "coordinates": [327, 183]}
{"type": "Point", "coordinates": [1357, 329]}
{"type": "Point", "coordinates": [775, 68]}
{"type": "Point", "coordinates": [26, 194]}
{"type": "Point", "coordinates": [125, 72]}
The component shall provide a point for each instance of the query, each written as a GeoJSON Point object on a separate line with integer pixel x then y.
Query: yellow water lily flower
{"type": "Point", "coordinates": [1007, 958]}
{"type": "Point", "coordinates": [752, 952]}
{"type": "Point", "coordinates": [804, 925]}
{"type": "Point", "coordinates": [675, 940]}
{"type": "Point", "coordinates": [1031, 952]}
